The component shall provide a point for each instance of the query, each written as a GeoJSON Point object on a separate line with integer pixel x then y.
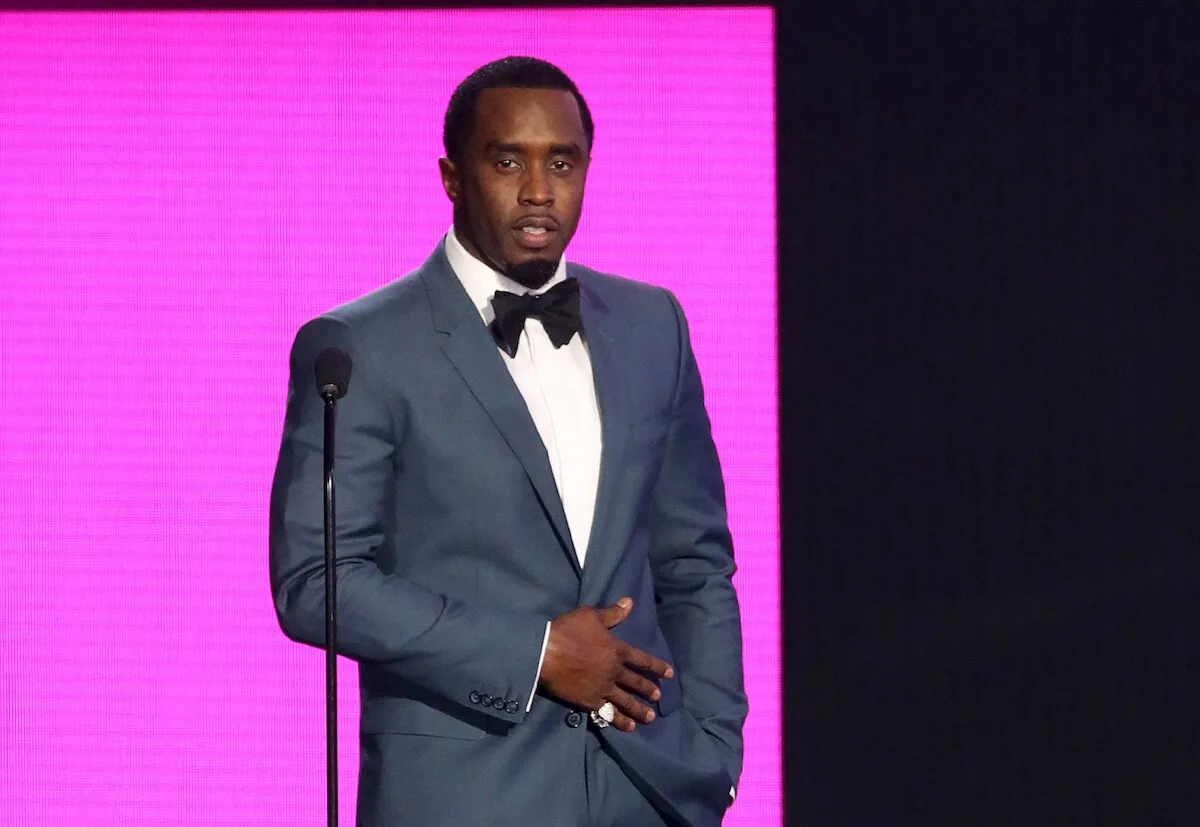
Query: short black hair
{"type": "Point", "coordinates": [506, 73]}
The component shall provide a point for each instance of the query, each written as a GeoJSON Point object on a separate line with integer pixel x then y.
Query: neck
{"type": "Point", "coordinates": [474, 251]}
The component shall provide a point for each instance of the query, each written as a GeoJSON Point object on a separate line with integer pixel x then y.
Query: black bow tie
{"type": "Point", "coordinates": [557, 308]}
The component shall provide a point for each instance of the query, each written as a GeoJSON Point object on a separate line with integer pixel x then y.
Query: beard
{"type": "Point", "coordinates": [532, 273]}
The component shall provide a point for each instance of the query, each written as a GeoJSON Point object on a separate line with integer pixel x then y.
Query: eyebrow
{"type": "Point", "coordinates": [572, 150]}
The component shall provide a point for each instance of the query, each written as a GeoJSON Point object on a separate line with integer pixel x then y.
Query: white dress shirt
{"type": "Point", "coordinates": [559, 392]}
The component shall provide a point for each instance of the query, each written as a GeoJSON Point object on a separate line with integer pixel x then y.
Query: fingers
{"type": "Point", "coordinates": [623, 722]}
{"type": "Point", "coordinates": [636, 683]}
{"type": "Point", "coordinates": [612, 615]}
{"type": "Point", "coordinates": [646, 662]}
{"type": "Point", "coordinates": [630, 707]}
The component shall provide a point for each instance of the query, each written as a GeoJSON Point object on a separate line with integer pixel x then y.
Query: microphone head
{"type": "Point", "coordinates": [332, 369]}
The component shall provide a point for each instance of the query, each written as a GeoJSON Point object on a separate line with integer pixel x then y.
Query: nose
{"type": "Point", "coordinates": [536, 189]}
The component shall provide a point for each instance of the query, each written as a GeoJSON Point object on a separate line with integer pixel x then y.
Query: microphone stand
{"type": "Point", "coordinates": [329, 393]}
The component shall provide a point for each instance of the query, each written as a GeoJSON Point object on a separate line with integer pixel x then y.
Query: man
{"type": "Point", "coordinates": [533, 560]}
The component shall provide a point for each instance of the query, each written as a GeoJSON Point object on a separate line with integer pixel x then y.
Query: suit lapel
{"type": "Point", "coordinates": [478, 361]}
{"type": "Point", "coordinates": [604, 350]}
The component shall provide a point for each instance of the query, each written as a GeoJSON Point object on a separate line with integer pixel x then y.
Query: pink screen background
{"type": "Point", "coordinates": [178, 193]}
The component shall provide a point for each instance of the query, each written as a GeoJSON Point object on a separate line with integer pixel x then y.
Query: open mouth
{"type": "Point", "coordinates": [533, 236]}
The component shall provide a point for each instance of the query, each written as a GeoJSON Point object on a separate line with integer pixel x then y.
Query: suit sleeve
{"type": "Point", "coordinates": [439, 643]}
{"type": "Point", "coordinates": [693, 566]}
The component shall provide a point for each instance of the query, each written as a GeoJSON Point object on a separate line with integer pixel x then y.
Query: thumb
{"type": "Point", "coordinates": [612, 615]}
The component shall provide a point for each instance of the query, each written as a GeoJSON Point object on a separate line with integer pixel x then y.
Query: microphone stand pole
{"type": "Point", "coordinates": [331, 741]}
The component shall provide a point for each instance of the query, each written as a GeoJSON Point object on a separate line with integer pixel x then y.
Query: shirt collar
{"type": "Point", "coordinates": [481, 281]}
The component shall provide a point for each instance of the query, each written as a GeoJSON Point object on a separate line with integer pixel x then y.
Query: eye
{"type": "Point", "coordinates": [506, 164]}
{"type": "Point", "coordinates": [560, 165]}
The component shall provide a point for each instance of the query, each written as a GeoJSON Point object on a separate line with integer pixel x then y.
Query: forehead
{"type": "Point", "coordinates": [528, 117]}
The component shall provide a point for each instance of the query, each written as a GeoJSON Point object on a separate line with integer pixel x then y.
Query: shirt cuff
{"type": "Point", "coordinates": [542, 657]}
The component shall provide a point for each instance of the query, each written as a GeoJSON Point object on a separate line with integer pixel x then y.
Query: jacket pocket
{"type": "Point", "coordinates": [671, 698]}
{"type": "Point", "coordinates": [406, 716]}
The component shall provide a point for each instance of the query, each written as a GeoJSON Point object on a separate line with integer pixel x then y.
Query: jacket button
{"type": "Point", "coordinates": [498, 704]}
{"type": "Point", "coordinates": [486, 700]}
{"type": "Point", "coordinates": [574, 719]}
{"type": "Point", "coordinates": [511, 707]}
{"type": "Point", "coordinates": [474, 697]}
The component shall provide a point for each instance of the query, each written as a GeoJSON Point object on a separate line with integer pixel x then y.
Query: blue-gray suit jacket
{"type": "Point", "coordinates": [453, 552]}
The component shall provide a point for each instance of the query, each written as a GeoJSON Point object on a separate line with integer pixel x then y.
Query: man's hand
{"type": "Point", "coordinates": [586, 666]}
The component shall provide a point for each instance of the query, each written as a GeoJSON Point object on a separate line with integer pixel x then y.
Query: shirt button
{"type": "Point", "coordinates": [486, 700]}
{"type": "Point", "coordinates": [498, 704]}
{"type": "Point", "coordinates": [574, 719]}
{"type": "Point", "coordinates": [475, 697]}
{"type": "Point", "coordinates": [511, 707]}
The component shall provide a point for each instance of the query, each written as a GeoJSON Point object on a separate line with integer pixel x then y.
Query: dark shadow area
{"type": "Point", "coordinates": [990, 448]}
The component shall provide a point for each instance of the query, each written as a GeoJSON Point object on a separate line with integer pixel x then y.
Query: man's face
{"type": "Point", "coordinates": [518, 190]}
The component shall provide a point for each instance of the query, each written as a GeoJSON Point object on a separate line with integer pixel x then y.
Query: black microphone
{"type": "Point", "coordinates": [332, 369]}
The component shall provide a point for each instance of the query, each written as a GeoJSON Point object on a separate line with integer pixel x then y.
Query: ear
{"type": "Point", "coordinates": [451, 182]}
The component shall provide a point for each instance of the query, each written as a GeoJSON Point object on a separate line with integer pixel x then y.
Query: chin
{"type": "Point", "coordinates": [532, 271]}
{"type": "Point", "coordinates": [520, 255]}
